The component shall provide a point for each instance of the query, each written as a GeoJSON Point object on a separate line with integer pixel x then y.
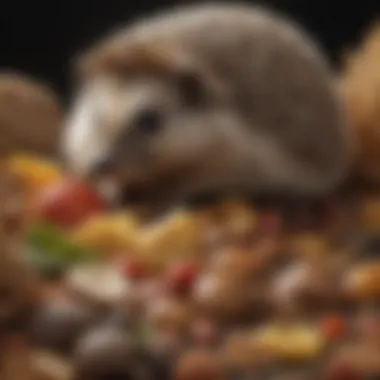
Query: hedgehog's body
{"type": "Point", "coordinates": [210, 97]}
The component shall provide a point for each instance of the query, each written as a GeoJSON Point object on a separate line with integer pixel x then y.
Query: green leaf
{"type": "Point", "coordinates": [144, 333]}
{"type": "Point", "coordinates": [52, 244]}
{"type": "Point", "coordinates": [47, 267]}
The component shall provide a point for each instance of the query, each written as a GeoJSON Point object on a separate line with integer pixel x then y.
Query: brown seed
{"type": "Point", "coordinates": [170, 314]}
{"type": "Point", "coordinates": [198, 365]}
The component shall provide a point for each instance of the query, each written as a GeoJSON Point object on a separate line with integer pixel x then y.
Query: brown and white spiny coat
{"type": "Point", "coordinates": [208, 97]}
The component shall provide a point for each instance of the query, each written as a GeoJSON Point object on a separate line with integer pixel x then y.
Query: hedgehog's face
{"type": "Point", "coordinates": [147, 134]}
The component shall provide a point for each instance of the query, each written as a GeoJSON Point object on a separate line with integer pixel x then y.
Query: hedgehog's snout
{"type": "Point", "coordinates": [118, 187]}
{"type": "Point", "coordinates": [102, 167]}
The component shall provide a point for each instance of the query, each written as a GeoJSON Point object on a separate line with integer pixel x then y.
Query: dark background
{"type": "Point", "coordinates": [39, 37]}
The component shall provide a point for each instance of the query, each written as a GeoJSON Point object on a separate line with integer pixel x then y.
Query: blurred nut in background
{"type": "Point", "coordinates": [309, 245]}
{"type": "Point", "coordinates": [360, 86]}
{"type": "Point", "coordinates": [234, 263]}
{"type": "Point", "coordinates": [169, 314]}
{"type": "Point", "coordinates": [240, 350]}
{"type": "Point", "coordinates": [369, 214]}
{"type": "Point", "coordinates": [59, 323]}
{"type": "Point", "coordinates": [103, 353]}
{"type": "Point", "coordinates": [363, 281]}
{"type": "Point", "coordinates": [30, 116]}
{"type": "Point", "coordinates": [222, 297]}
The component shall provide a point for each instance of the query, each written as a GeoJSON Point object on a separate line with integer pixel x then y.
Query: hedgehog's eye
{"type": "Point", "coordinates": [192, 90]}
{"type": "Point", "coordinates": [149, 121]}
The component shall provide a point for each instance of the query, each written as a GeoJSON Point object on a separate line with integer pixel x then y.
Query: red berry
{"type": "Point", "coordinates": [342, 372]}
{"type": "Point", "coordinates": [369, 327]}
{"type": "Point", "coordinates": [204, 331]}
{"type": "Point", "coordinates": [270, 222]}
{"type": "Point", "coordinates": [333, 209]}
{"type": "Point", "coordinates": [333, 327]}
{"type": "Point", "coordinates": [68, 203]}
{"type": "Point", "coordinates": [181, 277]}
{"type": "Point", "coordinates": [17, 342]}
{"type": "Point", "coordinates": [132, 269]}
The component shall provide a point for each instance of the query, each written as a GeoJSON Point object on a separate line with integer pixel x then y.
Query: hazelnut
{"type": "Point", "coordinates": [363, 281]}
{"type": "Point", "coordinates": [233, 263]}
{"type": "Point", "coordinates": [370, 214]}
{"type": "Point", "coordinates": [222, 297]}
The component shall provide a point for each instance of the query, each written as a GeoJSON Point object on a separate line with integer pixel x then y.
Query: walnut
{"type": "Point", "coordinates": [19, 286]}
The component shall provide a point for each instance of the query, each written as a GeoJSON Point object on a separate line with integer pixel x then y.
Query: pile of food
{"type": "Point", "coordinates": [233, 290]}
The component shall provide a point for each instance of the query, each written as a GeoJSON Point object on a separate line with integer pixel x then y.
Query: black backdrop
{"type": "Point", "coordinates": [39, 37]}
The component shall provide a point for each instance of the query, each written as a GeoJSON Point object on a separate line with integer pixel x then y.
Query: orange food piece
{"type": "Point", "coordinates": [37, 171]}
{"type": "Point", "coordinates": [35, 174]}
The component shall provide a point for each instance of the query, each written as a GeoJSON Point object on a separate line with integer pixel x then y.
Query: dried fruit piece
{"type": "Point", "coordinates": [35, 173]}
{"type": "Point", "coordinates": [110, 233]}
{"type": "Point", "coordinates": [181, 276]}
{"type": "Point", "coordinates": [333, 327]}
{"type": "Point", "coordinates": [290, 342]}
{"type": "Point", "coordinates": [132, 269]}
{"type": "Point", "coordinates": [179, 235]}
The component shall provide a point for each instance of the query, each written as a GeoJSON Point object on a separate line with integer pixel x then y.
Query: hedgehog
{"type": "Point", "coordinates": [203, 98]}
{"type": "Point", "coordinates": [30, 116]}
